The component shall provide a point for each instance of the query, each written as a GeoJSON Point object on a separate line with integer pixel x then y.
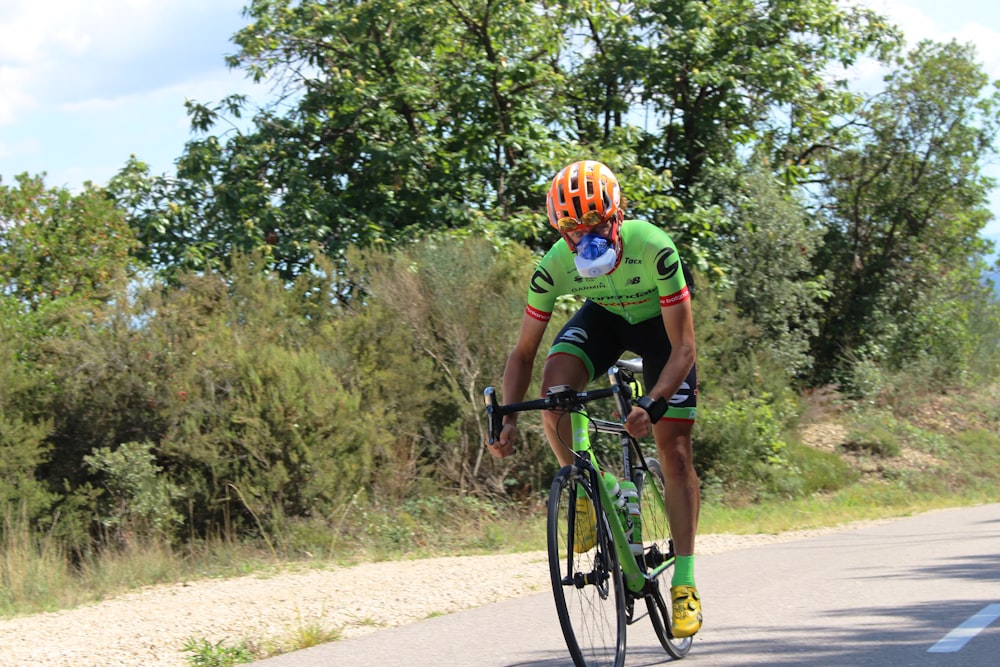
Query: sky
{"type": "Point", "coordinates": [84, 85]}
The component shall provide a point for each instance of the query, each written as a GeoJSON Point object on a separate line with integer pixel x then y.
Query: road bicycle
{"type": "Point", "coordinates": [604, 560]}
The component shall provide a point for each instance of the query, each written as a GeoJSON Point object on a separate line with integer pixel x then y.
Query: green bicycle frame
{"type": "Point", "coordinates": [635, 578]}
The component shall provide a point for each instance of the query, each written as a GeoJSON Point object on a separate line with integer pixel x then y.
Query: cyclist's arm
{"type": "Point", "coordinates": [517, 373]}
{"type": "Point", "coordinates": [541, 299]}
{"type": "Point", "coordinates": [517, 378]}
{"type": "Point", "coordinates": [679, 324]}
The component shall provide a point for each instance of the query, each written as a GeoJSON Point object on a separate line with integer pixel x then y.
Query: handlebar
{"type": "Point", "coordinates": [561, 398]}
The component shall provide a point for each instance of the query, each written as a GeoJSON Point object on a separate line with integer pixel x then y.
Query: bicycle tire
{"type": "Point", "coordinates": [657, 545]}
{"type": "Point", "coordinates": [587, 587]}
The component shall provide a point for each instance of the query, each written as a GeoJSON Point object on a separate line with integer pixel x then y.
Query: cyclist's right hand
{"type": "Point", "coordinates": [504, 445]}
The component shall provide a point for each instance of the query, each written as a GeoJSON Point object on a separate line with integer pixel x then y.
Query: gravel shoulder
{"type": "Point", "coordinates": [149, 627]}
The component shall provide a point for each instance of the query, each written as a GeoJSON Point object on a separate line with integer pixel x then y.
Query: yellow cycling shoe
{"type": "Point", "coordinates": [585, 533]}
{"type": "Point", "coordinates": [687, 611]}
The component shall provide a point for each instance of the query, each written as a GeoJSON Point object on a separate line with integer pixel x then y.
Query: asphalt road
{"type": "Point", "coordinates": [917, 591]}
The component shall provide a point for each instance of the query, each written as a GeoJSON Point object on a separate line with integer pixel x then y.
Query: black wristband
{"type": "Point", "coordinates": [656, 409]}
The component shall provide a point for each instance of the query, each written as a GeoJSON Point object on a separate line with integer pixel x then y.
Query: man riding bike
{"type": "Point", "coordinates": [637, 299]}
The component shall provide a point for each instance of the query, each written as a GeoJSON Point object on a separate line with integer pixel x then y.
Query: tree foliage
{"type": "Point", "coordinates": [906, 203]}
{"type": "Point", "coordinates": [302, 318]}
{"type": "Point", "coordinates": [770, 253]}
{"type": "Point", "coordinates": [446, 115]}
{"type": "Point", "coordinates": [57, 244]}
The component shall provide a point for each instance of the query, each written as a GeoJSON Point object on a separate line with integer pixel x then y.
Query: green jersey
{"type": "Point", "coordinates": [648, 276]}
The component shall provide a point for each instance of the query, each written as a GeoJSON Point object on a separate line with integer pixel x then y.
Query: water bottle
{"type": "Point", "coordinates": [634, 518]}
{"type": "Point", "coordinates": [614, 490]}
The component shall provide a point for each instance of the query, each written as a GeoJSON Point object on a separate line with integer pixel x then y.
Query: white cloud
{"type": "Point", "coordinates": [987, 41]}
{"type": "Point", "coordinates": [965, 21]}
{"type": "Point", "coordinates": [68, 52]}
{"type": "Point", "coordinates": [14, 98]}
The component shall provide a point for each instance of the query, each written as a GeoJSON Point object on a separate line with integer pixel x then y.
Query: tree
{"type": "Point", "coordinates": [905, 205]}
{"type": "Point", "coordinates": [60, 245]}
{"type": "Point", "coordinates": [770, 253]}
{"type": "Point", "coordinates": [723, 75]}
{"type": "Point", "coordinates": [402, 117]}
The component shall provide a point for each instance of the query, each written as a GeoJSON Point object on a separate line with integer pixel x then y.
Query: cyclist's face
{"type": "Point", "coordinates": [603, 229]}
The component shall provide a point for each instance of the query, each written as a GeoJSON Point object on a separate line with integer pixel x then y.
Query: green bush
{"type": "Point", "coordinates": [24, 444]}
{"type": "Point", "coordinates": [768, 256]}
{"type": "Point", "coordinates": [733, 440]}
{"type": "Point", "coordinates": [206, 654]}
{"type": "Point", "coordinates": [810, 471]}
{"type": "Point", "coordinates": [451, 305]}
{"type": "Point", "coordinates": [874, 433]}
{"type": "Point", "coordinates": [139, 501]}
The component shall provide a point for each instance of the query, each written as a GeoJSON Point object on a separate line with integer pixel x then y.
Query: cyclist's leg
{"type": "Point", "coordinates": [673, 435]}
{"type": "Point", "coordinates": [673, 444]}
{"type": "Point", "coordinates": [674, 450]}
{"type": "Point", "coordinates": [656, 546]}
{"type": "Point", "coordinates": [561, 369]}
{"type": "Point", "coordinates": [579, 352]}
{"type": "Point", "coordinates": [682, 489]}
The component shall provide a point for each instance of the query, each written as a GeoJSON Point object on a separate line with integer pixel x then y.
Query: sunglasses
{"type": "Point", "coordinates": [589, 219]}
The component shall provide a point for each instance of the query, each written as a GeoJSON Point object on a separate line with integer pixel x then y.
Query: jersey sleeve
{"type": "Point", "coordinates": [546, 285]}
{"type": "Point", "coordinates": [670, 283]}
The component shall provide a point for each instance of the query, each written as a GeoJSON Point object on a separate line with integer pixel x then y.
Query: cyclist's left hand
{"type": "Point", "coordinates": [637, 424]}
{"type": "Point", "coordinates": [504, 446]}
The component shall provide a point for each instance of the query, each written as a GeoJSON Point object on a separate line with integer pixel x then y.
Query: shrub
{"type": "Point", "coordinates": [874, 434]}
{"type": "Point", "coordinates": [139, 498]}
{"type": "Point", "coordinates": [206, 654]}
{"type": "Point", "coordinates": [733, 440]}
{"type": "Point", "coordinates": [810, 471]}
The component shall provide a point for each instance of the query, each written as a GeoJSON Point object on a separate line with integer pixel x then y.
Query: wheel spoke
{"type": "Point", "coordinates": [657, 549]}
{"type": "Point", "coordinates": [586, 582]}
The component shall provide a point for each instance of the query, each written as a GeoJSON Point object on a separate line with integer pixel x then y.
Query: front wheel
{"type": "Point", "coordinates": [659, 615]}
{"type": "Point", "coordinates": [586, 578]}
{"type": "Point", "coordinates": [657, 549]}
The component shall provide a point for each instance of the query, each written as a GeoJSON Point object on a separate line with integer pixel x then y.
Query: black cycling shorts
{"type": "Point", "coordinates": [599, 337]}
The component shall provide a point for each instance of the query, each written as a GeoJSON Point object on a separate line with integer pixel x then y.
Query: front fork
{"type": "Point", "coordinates": [635, 580]}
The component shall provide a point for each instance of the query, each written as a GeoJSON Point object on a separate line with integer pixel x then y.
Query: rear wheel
{"type": "Point", "coordinates": [657, 548]}
{"type": "Point", "coordinates": [586, 577]}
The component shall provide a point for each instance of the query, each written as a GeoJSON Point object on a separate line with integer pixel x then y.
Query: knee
{"type": "Point", "coordinates": [676, 456]}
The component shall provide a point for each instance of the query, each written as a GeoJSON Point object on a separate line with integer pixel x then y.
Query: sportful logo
{"type": "Point", "coordinates": [574, 335]}
{"type": "Point", "coordinates": [541, 282]}
{"type": "Point", "coordinates": [666, 270]}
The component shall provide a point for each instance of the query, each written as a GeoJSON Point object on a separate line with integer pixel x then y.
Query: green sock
{"type": "Point", "coordinates": [683, 571]}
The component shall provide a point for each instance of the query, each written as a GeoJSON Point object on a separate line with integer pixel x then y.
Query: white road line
{"type": "Point", "coordinates": [960, 636]}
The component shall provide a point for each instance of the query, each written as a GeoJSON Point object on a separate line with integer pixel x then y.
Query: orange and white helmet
{"type": "Point", "coordinates": [583, 195]}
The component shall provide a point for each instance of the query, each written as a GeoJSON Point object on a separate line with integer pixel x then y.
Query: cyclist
{"type": "Point", "coordinates": [637, 299]}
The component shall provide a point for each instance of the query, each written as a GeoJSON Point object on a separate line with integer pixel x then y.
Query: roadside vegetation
{"type": "Point", "coordinates": [276, 356]}
{"type": "Point", "coordinates": [771, 457]}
